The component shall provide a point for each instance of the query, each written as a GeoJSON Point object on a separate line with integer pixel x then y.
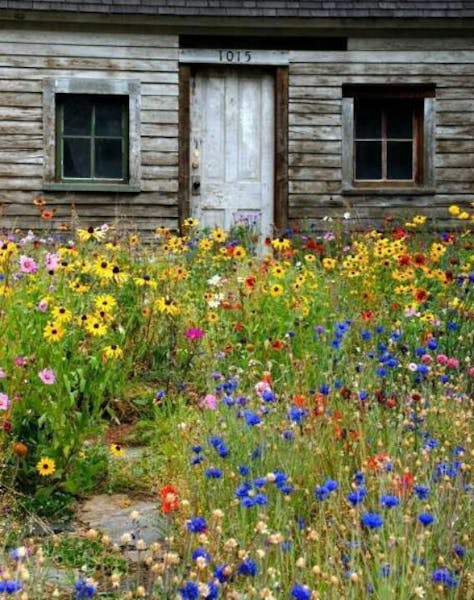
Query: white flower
{"type": "Point", "coordinates": [215, 280]}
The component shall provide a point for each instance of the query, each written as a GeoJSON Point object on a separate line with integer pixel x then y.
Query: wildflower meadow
{"type": "Point", "coordinates": [305, 406]}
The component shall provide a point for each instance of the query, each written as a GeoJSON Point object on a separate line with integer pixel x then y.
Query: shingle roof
{"type": "Point", "coordinates": [256, 8]}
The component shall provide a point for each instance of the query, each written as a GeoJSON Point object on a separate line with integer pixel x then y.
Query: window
{"type": "Point", "coordinates": [387, 138]}
{"type": "Point", "coordinates": [92, 135]}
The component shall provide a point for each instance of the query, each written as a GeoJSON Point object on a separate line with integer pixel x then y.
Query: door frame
{"type": "Point", "coordinates": [280, 179]}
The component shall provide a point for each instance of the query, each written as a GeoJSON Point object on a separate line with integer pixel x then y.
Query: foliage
{"type": "Point", "coordinates": [307, 407]}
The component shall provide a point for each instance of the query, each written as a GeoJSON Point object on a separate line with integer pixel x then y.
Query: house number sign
{"type": "Point", "coordinates": [233, 56]}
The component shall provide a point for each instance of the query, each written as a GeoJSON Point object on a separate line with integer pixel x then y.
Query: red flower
{"type": "Point", "coordinates": [169, 496]}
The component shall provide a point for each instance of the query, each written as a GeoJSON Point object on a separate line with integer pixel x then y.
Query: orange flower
{"type": "Point", "coordinates": [169, 496]}
{"type": "Point", "coordinates": [267, 377]}
{"type": "Point", "coordinates": [420, 295]}
{"type": "Point", "coordinates": [39, 201]}
{"type": "Point", "coordinates": [404, 484]}
{"type": "Point", "coordinates": [277, 344]}
{"type": "Point", "coordinates": [299, 400]}
{"type": "Point", "coordinates": [47, 215]}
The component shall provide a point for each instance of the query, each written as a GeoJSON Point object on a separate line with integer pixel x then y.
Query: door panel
{"type": "Point", "coordinates": [232, 147]}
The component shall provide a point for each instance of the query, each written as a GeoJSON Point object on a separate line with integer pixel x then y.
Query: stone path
{"type": "Point", "coordinates": [110, 514]}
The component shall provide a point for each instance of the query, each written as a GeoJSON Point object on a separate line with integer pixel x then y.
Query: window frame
{"type": "Point", "coordinates": [52, 178]}
{"type": "Point", "coordinates": [423, 180]}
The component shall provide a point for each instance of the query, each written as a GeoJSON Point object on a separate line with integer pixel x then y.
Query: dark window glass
{"type": "Point", "coordinates": [399, 120]}
{"type": "Point", "coordinates": [369, 160]}
{"type": "Point", "coordinates": [108, 158]}
{"type": "Point", "coordinates": [77, 157]}
{"type": "Point", "coordinates": [77, 111]}
{"type": "Point", "coordinates": [399, 160]}
{"type": "Point", "coordinates": [108, 117]}
{"type": "Point", "coordinates": [368, 120]}
{"type": "Point", "coordinates": [92, 134]}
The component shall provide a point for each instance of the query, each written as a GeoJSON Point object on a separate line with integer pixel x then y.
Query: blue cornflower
{"type": "Point", "coordinates": [280, 478]}
{"type": "Point", "coordinates": [201, 553]}
{"type": "Point", "coordinates": [331, 485]}
{"type": "Point", "coordinates": [459, 550]}
{"type": "Point", "coordinates": [385, 570]}
{"type": "Point", "coordinates": [198, 459]}
{"type": "Point", "coordinates": [356, 496]}
{"type": "Point", "coordinates": [366, 335]}
{"type": "Point", "coordinates": [426, 519]}
{"type": "Point", "coordinates": [190, 591]}
{"type": "Point", "coordinates": [420, 351]}
{"type": "Point", "coordinates": [197, 525]}
{"type": "Point", "coordinates": [300, 592]}
{"type": "Point", "coordinates": [452, 326]}
{"type": "Point", "coordinates": [220, 573]}
{"type": "Point", "coordinates": [260, 499]}
{"type": "Point", "coordinates": [421, 491]}
{"type": "Point", "coordinates": [389, 501]}
{"type": "Point", "coordinates": [286, 545]}
{"type": "Point", "coordinates": [213, 591]}
{"type": "Point", "coordinates": [432, 344]}
{"type": "Point", "coordinates": [458, 450]}
{"type": "Point", "coordinates": [363, 395]}
{"type": "Point", "coordinates": [286, 489]}
{"type": "Point", "coordinates": [248, 567]}
{"type": "Point", "coordinates": [247, 502]}
{"type": "Point", "coordinates": [84, 589]}
{"type": "Point", "coordinates": [445, 577]}
{"type": "Point", "coordinates": [296, 414]}
{"type": "Point", "coordinates": [260, 482]}
{"type": "Point", "coordinates": [324, 389]}
{"type": "Point", "coordinates": [359, 478]}
{"type": "Point", "coordinates": [423, 369]}
{"type": "Point", "coordinates": [243, 490]}
{"type": "Point", "coordinates": [10, 586]}
{"type": "Point", "coordinates": [321, 493]}
{"type": "Point", "coordinates": [244, 470]}
{"type": "Point", "coordinates": [288, 435]}
{"type": "Point", "coordinates": [213, 473]}
{"type": "Point", "coordinates": [268, 396]}
{"type": "Point", "coordinates": [371, 520]}
{"type": "Point", "coordinates": [381, 372]}
{"type": "Point", "coordinates": [251, 418]}
{"type": "Point", "coordinates": [197, 449]}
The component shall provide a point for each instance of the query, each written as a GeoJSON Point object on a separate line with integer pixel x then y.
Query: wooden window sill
{"type": "Point", "coordinates": [401, 191]}
{"type": "Point", "coordinates": [91, 187]}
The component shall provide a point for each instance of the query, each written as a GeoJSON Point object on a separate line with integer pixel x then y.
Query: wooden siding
{"type": "Point", "coordinates": [315, 126]}
{"type": "Point", "coordinates": [27, 59]}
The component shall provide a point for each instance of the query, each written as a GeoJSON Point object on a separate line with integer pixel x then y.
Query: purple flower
{"type": "Point", "coordinates": [27, 265]}
{"type": "Point", "coordinates": [4, 401]}
{"type": "Point", "coordinates": [194, 333]}
{"type": "Point", "coordinates": [47, 376]}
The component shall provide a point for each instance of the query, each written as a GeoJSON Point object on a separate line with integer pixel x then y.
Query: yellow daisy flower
{"type": "Point", "coordinates": [46, 466]}
{"type": "Point", "coordinates": [61, 314]}
{"type": "Point", "coordinates": [53, 332]}
{"type": "Point", "coordinates": [113, 351]}
{"type": "Point", "coordinates": [105, 302]}
{"type": "Point", "coordinates": [116, 450]}
{"type": "Point", "coordinates": [167, 306]}
{"type": "Point", "coordinates": [95, 327]}
{"type": "Point", "coordinates": [219, 235]}
{"type": "Point", "coordinates": [276, 290]}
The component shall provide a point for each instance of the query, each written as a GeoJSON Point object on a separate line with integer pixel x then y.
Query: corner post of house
{"type": "Point", "coordinates": [281, 146]}
{"type": "Point", "coordinates": [184, 208]}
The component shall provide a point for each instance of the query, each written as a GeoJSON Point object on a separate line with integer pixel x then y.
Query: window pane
{"type": "Point", "coordinates": [77, 157]}
{"type": "Point", "coordinates": [368, 118]}
{"type": "Point", "coordinates": [108, 116]}
{"type": "Point", "coordinates": [399, 160]}
{"type": "Point", "coordinates": [399, 120]}
{"type": "Point", "coordinates": [108, 159]}
{"type": "Point", "coordinates": [368, 160]}
{"type": "Point", "coordinates": [77, 115]}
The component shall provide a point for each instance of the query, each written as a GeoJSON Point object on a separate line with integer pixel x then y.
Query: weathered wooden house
{"type": "Point", "coordinates": [282, 111]}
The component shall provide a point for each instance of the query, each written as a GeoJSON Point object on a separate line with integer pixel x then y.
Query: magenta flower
{"type": "Point", "coordinates": [47, 376]}
{"type": "Point", "coordinates": [52, 261]}
{"type": "Point", "coordinates": [209, 401]}
{"type": "Point", "coordinates": [4, 401]}
{"type": "Point", "coordinates": [194, 333]}
{"type": "Point", "coordinates": [28, 265]}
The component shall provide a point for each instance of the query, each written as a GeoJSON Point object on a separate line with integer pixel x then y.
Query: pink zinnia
{"type": "Point", "coordinates": [51, 261]}
{"type": "Point", "coordinates": [28, 265]}
{"type": "Point", "coordinates": [47, 376]}
{"type": "Point", "coordinates": [194, 333]}
{"type": "Point", "coordinates": [4, 401]}
{"type": "Point", "coordinates": [442, 359]}
{"type": "Point", "coordinates": [210, 401]}
{"type": "Point", "coordinates": [453, 363]}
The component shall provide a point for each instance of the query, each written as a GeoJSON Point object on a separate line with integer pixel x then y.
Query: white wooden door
{"type": "Point", "coordinates": [232, 147]}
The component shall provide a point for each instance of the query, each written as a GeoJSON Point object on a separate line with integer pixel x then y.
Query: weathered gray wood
{"type": "Point", "coordinates": [304, 159]}
{"type": "Point", "coordinates": [102, 38]}
{"type": "Point", "coordinates": [314, 133]}
{"type": "Point", "coordinates": [410, 43]}
{"type": "Point", "coordinates": [160, 116]}
{"type": "Point", "coordinates": [407, 57]}
{"type": "Point", "coordinates": [314, 71]}
{"type": "Point", "coordinates": [233, 57]}
{"type": "Point", "coordinates": [314, 119]}
{"type": "Point", "coordinates": [312, 146]}
{"type": "Point", "coordinates": [465, 160]}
